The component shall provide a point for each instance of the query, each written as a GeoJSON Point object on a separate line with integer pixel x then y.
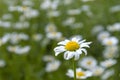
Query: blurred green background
{"type": "Point", "coordinates": [30, 65]}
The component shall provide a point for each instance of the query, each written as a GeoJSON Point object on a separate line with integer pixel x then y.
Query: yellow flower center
{"type": "Point", "coordinates": [89, 62]}
{"type": "Point", "coordinates": [24, 7]}
{"type": "Point", "coordinates": [79, 74]}
{"type": "Point", "coordinates": [109, 42]}
{"type": "Point", "coordinates": [72, 46]}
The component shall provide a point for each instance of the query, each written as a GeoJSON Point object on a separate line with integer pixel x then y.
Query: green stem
{"type": "Point", "coordinates": [74, 67]}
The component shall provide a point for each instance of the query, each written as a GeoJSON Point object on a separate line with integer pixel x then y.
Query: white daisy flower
{"type": "Point", "coordinates": [54, 35]}
{"type": "Point", "coordinates": [80, 74]}
{"type": "Point", "coordinates": [102, 35]}
{"type": "Point", "coordinates": [2, 63]}
{"type": "Point", "coordinates": [97, 29]}
{"type": "Point", "coordinates": [88, 62]}
{"type": "Point", "coordinates": [108, 63]}
{"type": "Point", "coordinates": [72, 48]}
{"type": "Point", "coordinates": [114, 27]}
{"type": "Point", "coordinates": [50, 28]}
{"type": "Point", "coordinates": [37, 37]}
{"type": "Point", "coordinates": [107, 74]}
{"type": "Point", "coordinates": [18, 49]}
{"type": "Point", "coordinates": [48, 58]}
{"type": "Point", "coordinates": [98, 71]}
{"type": "Point", "coordinates": [111, 52]}
{"type": "Point", "coordinates": [110, 41]}
{"type": "Point", "coordinates": [52, 66]}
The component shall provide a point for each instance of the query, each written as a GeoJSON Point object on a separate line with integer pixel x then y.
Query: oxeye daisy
{"type": "Point", "coordinates": [80, 74]}
{"type": "Point", "coordinates": [72, 48]}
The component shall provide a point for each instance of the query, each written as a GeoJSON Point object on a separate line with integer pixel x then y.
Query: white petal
{"type": "Point", "coordinates": [59, 50]}
{"type": "Point", "coordinates": [84, 50]}
{"type": "Point", "coordinates": [82, 41]}
{"type": "Point", "coordinates": [66, 55]}
{"type": "Point", "coordinates": [85, 44]}
{"type": "Point", "coordinates": [75, 39]}
{"type": "Point", "coordinates": [79, 51]}
{"type": "Point", "coordinates": [71, 54]}
{"type": "Point", "coordinates": [63, 42]}
{"type": "Point", "coordinates": [77, 56]}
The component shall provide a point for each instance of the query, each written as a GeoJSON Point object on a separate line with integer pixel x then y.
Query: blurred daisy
{"type": "Point", "coordinates": [54, 35]}
{"type": "Point", "coordinates": [74, 12]}
{"type": "Point", "coordinates": [102, 35]}
{"type": "Point", "coordinates": [50, 28]}
{"type": "Point", "coordinates": [114, 27]}
{"type": "Point", "coordinates": [18, 49]}
{"type": "Point", "coordinates": [2, 63]}
{"type": "Point", "coordinates": [52, 66]}
{"type": "Point", "coordinates": [37, 37]}
{"type": "Point", "coordinates": [88, 62]}
{"type": "Point", "coordinates": [108, 63]}
{"type": "Point", "coordinates": [110, 41]}
{"type": "Point", "coordinates": [72, 48]}
{"type": "Point", "coordinates": [69, 21]}
{"type": "Point", "coordinates": [107, 74]}
{"type": "Point", "coordinates": [53, 13]}
{"type": "Point", "coordinates": [4, 39]}
{"type": "Point", "coordinates": [115, 9]}
{"type": "Point", "coordinates": [48, 58]}
{"type": "Point", "coordinates": [97, 29]}
{"type": "Point", "coordinates": [80, 74]}
{"type": "Point", "coordinates": [87, 0]}
{"type": "Point", "coordinates": [98, 70]}
{"type": "Point", "coordinates": [110, 52]}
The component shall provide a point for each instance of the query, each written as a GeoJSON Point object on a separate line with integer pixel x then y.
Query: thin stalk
{"type": "Point", "coordinates": [74, 68]}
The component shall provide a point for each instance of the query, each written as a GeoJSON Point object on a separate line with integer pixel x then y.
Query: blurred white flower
{"type": "Point", "coordinates": [50, 28]}
{"type": "Point", "coordinates": [5, 24]}
{"type": "Point", "coordinates": [52, 66]}
{"type": "Point", "coordinates": [114, 27]}
{"type": "Point", "coordinates": [69, 21]}
{"type": "Point", "coordinates": [97, 29]}
{"type": "Point", "coordinates": [48, 4]}
{"type": "Point", "coordinates": [110, 52]}
{"type": "Point", "coordinates": [98, 70]}
{"type": "Point", "coordinates": [110, 41]}
{"type": "Point", "coordinates": [37, 37]}
{"type": "Point", "coordinates": [107, 74]}
{"type": "Point", "coordinates": [77, 36]}
{"type": "Point", "coordinates": [108, 63]}
{"type": "Point", "coordinates": [76, 25]}
{"type": "Point", "coordinates": [31, 13]}
{"type": "Point", "coordinates": [86, 9]}
{"type": "Point", "coordinates": [54, 35]}
{"type": "Point", "coordinates": [4, 39]}
{"type": "Point", "coordinates": [87, 0]}
{"type": "Point", "coordinates": [53, 13]}
{"type": "Point", "coordinates": [2, 63]}
{"type": "Point", "coordinates": [27, 3]}
{"type": "Point", "coordinates": [80, 74]}
{"type": "Point", "coordinates": [102, 35]}
{"type": "Point", "coordinates": [74, 12]}
{"type": "Point", "coordinates": [7, 16]}
{"type": "Point", "coordinates": [67, 2]}
{"type": "Point", "coordinates": [18, 49]}
{"type": "Point", "coordinates": [115, 9]}
{"type": "Point", "coordinates": [48, 58]}
{"type": "Point", "coordinates": [88, 62]}
{"type": "Point", "coordinates": [21, 25]}
{"type": "Point", "coordinates": [72, 48]}
{"type": "Point", "coordinates": [16, 37]}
